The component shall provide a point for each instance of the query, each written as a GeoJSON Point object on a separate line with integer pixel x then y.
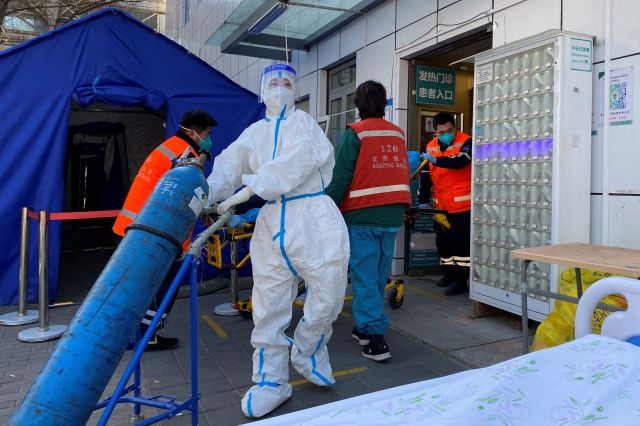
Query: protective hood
{"type": "Point", "coordinates": [278, 88]}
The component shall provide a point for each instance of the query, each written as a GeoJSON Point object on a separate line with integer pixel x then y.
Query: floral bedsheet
{"type": "Point", "coordinates": [592, 380]}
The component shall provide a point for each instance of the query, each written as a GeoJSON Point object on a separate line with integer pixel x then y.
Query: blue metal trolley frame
{"type": "Point", "coordinates": [168, 403]}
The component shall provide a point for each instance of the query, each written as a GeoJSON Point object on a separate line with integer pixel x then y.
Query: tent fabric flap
{"type": "Point", "coordinates": [107, 57]}
{"type": "Point", "coordinates": [120, 96]}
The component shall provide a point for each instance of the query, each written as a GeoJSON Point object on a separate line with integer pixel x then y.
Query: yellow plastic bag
{"type": "Point", "coordinates": [559, 326]}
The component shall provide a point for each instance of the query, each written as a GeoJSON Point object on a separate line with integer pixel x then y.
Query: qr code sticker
{"type": "Point", "coordinates": [618, 99]}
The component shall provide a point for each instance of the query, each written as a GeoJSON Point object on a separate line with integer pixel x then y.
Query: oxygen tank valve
{"type": "Point", "coordinates": [184, 161]}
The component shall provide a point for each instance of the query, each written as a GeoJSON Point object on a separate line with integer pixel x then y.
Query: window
{"type": "Point", "coordinates": [342, 86]}
{"type": "Point", "coordinates": [303, 104]}
{"type": "Point", "coordinates": [185, 11]}
{"type": "Point", "coordinates": [25, 22]}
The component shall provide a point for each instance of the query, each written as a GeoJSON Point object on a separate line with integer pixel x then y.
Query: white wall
{"type": "Point", "coordinates": [398, 29]}
{"type": "Point", "coordinates": [624, 173]}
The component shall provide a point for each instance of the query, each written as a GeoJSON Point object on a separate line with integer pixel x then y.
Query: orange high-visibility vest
{"type": "Point", "coordinates": [451, 187]}
{"type": "Point", "coordinates": [157, 163]}
{"type": "Point", "coordinates": [381, 175]}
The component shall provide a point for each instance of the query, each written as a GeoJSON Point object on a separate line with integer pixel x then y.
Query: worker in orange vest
{"type": "Point", "coordinates": [370, 184]}
{"type": "Point", "coordinates": [449, 179]}
{"type": "Point", "coordinates": [192, 137]}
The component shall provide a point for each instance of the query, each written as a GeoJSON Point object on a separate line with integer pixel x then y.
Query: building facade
{"type": "Point", "coordinates": [389, 40]}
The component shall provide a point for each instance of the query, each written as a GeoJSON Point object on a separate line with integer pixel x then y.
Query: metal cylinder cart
{"type": "Point", "coordinates": [113, 309]}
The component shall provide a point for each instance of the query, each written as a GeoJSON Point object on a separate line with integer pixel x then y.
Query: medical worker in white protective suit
{"type": "Point", "coordinates": [299, 235]}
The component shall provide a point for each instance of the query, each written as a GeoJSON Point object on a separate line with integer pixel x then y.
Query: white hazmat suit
{"type": "Point", "coordinates": [300, 234]}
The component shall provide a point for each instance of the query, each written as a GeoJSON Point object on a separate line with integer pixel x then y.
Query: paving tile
{"type": "Point", "coordinates": [440, 364]}
{"type": "Point", "coordinates": [5, 404]}
{"type": "Point", "coordinates": [490, 353]}
{"type": "Point", "coordinates": [240, 378]}
{"type": "Point", "coordinates": [375, 382]}
{"type": "Point", "coordinates": [219, 384]}
{"type": "Point", "coordinates": [414, 373]}
{"type": "Point", "coordinates": [211, 399]}
{"type": "Point", "coordinates": [182, 419]}
{"type": "Point", "coordinates": [227, 416]}
{"type": "Point", "coordinates": [11, 388]}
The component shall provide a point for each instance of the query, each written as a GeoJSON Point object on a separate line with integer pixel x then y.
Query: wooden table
{"type": "Point", "coordinates": [614, 260]}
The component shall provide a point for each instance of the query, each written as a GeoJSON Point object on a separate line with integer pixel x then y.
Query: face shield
{"type": "Point", "coordinates": [278, 87]}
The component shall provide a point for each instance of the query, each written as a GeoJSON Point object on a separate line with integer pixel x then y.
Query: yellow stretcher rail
{"type": "Point", "coordinates": [215, 246]}
{"type": "Point", "coordinates": [424, 163]}
{"type": "Point", "coordinates": [216, 243]}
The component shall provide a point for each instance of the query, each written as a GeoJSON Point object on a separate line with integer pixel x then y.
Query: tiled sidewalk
{"type": "Point", "coordinates": [430, 336]}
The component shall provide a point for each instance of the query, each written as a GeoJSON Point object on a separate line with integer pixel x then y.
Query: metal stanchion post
{"type": "Point", "coordinates": [23, 316]}
{"type": "Point", "coordinates": [44, 331]}
{"type": "Point", "coordinates": [228, 309]}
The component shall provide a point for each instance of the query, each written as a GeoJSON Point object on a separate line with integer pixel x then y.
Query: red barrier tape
{"type": "Point", "coordinates": [83, 215]}
{"type": "Point", "coordinates": [75, 215]}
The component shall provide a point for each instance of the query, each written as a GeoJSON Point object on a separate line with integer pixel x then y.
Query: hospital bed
{"type": "Point", "coordinates": [593, 379]}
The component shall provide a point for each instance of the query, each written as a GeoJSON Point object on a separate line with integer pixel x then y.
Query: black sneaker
{"type": "Point", "coordinates": [456, 288]}
{"type": "Point", "coordinates": [377, 349]}
{"type": "Point", "coordinates": [362, 338]}
{"type": "Point", "coordinates": [443, 282]}
{"type": "Point", "coordinates": [159, 343]}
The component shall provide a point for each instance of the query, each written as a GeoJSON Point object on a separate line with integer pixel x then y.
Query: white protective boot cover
{"type": "Point", "coordinates": [260, 400]}
{"type": "Point", "coordinates": [315, 367]}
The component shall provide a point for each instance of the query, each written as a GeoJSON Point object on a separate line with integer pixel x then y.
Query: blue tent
{"type": "Point", "coordinates": [107, 57]}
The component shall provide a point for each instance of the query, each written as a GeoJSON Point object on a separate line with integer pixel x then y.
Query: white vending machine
{"type": "Point", "coordinates": [531, 162]}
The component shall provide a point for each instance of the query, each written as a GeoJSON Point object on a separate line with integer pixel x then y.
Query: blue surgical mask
{"type": "Point", "coordinates": [205, 144]}
{"type": "Point", "coordinates": [446, 138]}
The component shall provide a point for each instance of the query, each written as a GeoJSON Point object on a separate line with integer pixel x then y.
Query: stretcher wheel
{"type": "Point", "coordinates": [394, 301]}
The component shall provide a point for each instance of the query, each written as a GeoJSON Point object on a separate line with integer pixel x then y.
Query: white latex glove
{"type": "Point", "coordinates": [239, 197]}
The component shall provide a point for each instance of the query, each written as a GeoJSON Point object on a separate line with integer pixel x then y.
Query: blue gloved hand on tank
{"type": "Point", "coordinates": [424, 206]}
{"type": "Point", "coordinates": [237, 220]}
{"type": "Point", "coordinates": [431, 158]}
{"type": "Point", "coordinates": [414, 161]}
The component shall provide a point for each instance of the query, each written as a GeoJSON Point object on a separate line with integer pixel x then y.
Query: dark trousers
{"type": "Point", "coordinates": [454, 246]}
{"type": "Point", "coordinates": [160, 295]}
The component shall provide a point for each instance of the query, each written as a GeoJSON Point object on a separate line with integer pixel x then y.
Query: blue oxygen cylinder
{"type": "Point", "coordinates": [75, 376]}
